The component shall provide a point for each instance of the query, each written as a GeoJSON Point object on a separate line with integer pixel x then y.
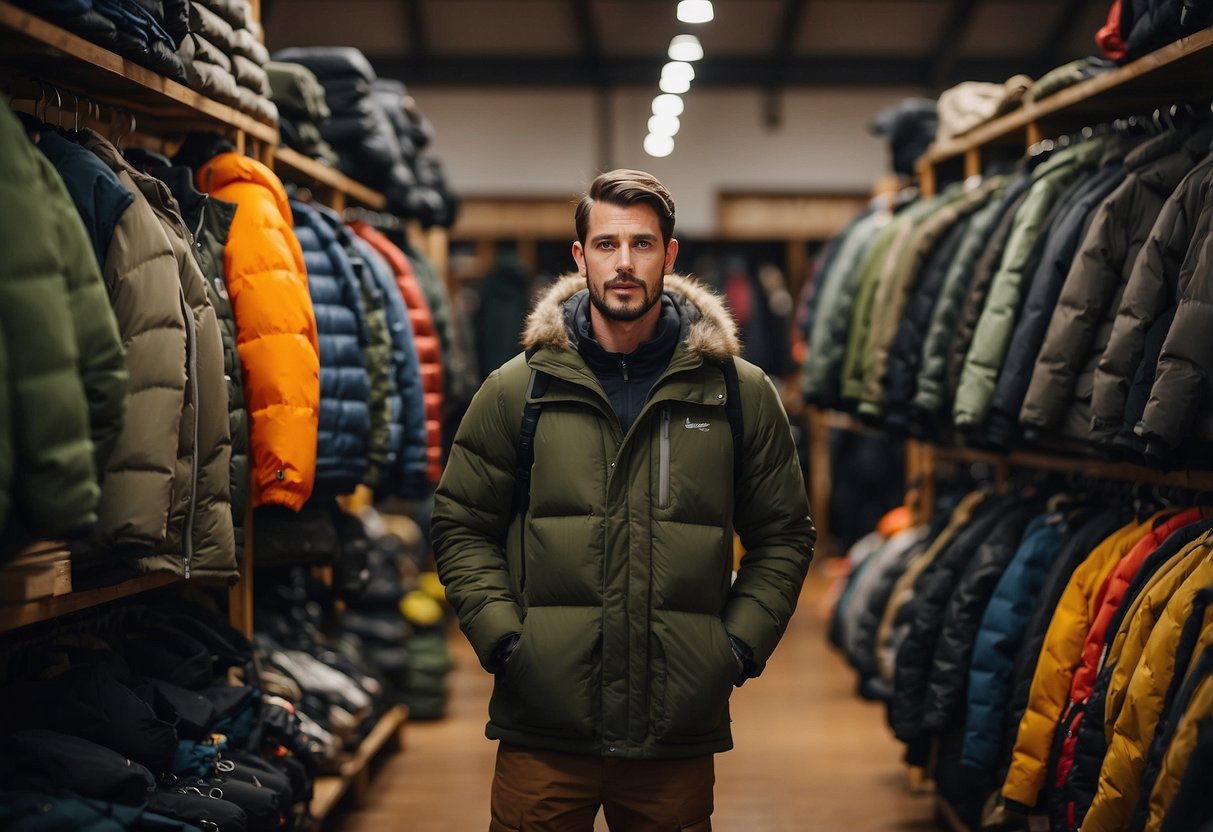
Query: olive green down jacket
{"type": "Point", "coordinates": [66, 375]}
{"type": "Point", "coordinates": [618, 578]}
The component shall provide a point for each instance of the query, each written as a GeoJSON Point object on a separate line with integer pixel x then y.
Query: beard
{"type": "Point", "coordinates": [619, 312]}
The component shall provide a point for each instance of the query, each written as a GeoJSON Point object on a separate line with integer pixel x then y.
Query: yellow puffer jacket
{"type": "Point", "coordinates": [1120, 776]}
{"type": "Point", "coordinates": [1060, 654]}
{"type": "Point", "coordinates": [1137, 625]}
{"type": "Point", "coordinates": [1198, 709]}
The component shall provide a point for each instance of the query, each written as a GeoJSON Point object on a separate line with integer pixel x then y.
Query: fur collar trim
{"type": "Point", "coordinates": [712, 333]}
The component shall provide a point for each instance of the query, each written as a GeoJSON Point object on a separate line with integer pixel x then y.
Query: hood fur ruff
{"type": "Point", "coordinates": [713, 336]}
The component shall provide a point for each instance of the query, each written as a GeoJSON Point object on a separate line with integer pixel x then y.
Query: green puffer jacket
{"type": "Point", "coordinates": [618, 580]}
{"type": "Point", "coordinates": [66, 373]}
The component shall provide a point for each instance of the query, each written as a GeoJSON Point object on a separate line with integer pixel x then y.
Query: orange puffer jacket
{"type": "Point", "coordinates": [276, 328]}
{"type": "Point", "coordinates": [429, 348]}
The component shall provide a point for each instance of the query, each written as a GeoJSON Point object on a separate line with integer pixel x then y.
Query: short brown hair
{"type": "Point", "coordinates": [628, 187]}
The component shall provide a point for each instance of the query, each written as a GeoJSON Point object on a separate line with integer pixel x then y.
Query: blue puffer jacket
{"type": "Point", "coordinates": [345, 387]}
{"type": "Point", "coordinates": [1002, 627]}
{"type": "Point", "coordinates": [405, 477]}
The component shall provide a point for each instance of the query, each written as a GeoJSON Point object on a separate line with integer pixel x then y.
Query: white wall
{"type": "Point", "coordinates": [547, 143]}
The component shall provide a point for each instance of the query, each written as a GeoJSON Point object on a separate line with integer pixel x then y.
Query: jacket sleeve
{"type": "Point", "coordinates": [472, 515]}
{"type": "Point", "coordinates": [1147, 294]}
{"type": "Point", "coordinates": [278, 348]}
{"type": "Point", "coordinates": [1183, 366]}
{"type": "Point", "coordinates": [771, 515]}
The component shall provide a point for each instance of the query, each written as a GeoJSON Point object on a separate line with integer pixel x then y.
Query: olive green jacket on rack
{"type": "Point", "coordinates": [617, 579]}
{"type": "Point", "coordinates": [979, 375]}
{"type": "Point", "coordinates": [64, 384]}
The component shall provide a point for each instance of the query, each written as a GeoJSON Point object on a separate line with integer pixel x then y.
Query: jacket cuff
{"type": "Point", "coordinates": [501, 653]}
{"type": "Point", "coordinates": [746, 656]}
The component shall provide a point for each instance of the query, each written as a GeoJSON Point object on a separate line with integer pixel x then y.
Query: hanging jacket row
{"type": "Point", "coordinates": [198, 347]}
{"type": "Point", "coordinates": [1047, 654]}
{"type": "Point", "coordinates": [1060, 304]}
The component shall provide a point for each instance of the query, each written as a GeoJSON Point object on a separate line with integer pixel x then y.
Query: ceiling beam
{"type": "Point", "coordinates": [417, 33]}
{"type": "Point", "coordinates": [947, 47]}
{"type": "Point", "coordinates": [1052, 50]}
{"type": "Point", "coordinates": [850, 71]}
{"type": "Point", "coordinates": [589, 39]}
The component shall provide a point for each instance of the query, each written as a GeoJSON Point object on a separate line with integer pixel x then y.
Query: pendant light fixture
{"type": "Point", "coordinates": [685, 48]}
{"type": "Point", "coordinates": [695, 11]}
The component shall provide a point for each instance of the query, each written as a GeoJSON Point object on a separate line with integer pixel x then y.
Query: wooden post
{"type": "Point", "coordinates": [240, 594]}
{"type": "Point", "coordinates": [1034, 133]}
{"type": "Point", "coordinates": [972, 162]}
{"type": "Point", "coordinates": [819, 479]}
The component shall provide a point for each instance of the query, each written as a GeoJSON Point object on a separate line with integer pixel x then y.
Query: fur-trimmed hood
{"type": "Point", "coordinates": [709, 328]}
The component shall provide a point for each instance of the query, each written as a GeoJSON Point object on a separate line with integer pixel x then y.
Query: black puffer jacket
{"type": "Point", "coordinates": [1152, 24]}
{"type": "Point", "coordinates": [911, 676]}
{"type": "Point", "coordinates": [962, 617]}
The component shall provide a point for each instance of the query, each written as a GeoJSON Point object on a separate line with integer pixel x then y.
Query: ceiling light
{"type": "Point", "coordinates": [679, 70]}
{"type": "Point", "coordinates": [695, 11]}
{"type": "Point", "coordinates": [685, 48]}
{"type": "Point", "coordinates": [658, 146]}
{"type": "Point", "coordinates": [676, 86]}
{"type": "Point", "coordinates": [664, 125]}
{"type": "Point", "coordinates": [667, 105]}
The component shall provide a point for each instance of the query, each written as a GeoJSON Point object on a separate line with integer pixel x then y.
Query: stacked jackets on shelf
{"type": "Point", "coordinates": [1045, 651]}
{"type": "Point", "coordinates": [301, 108]}
{"type": "Point", "coordinates": [152, 715]}
{"type": "Point", "coordinates": [373, 134]}
{"type": "Point", "coordinates": [147, 33]}
{"type": "Point", "coordinates": [1057, 304]}
{"type": "Point", "coordinates": [225, 58]}
{"type": "Point", "coordinates": [1135, 27]}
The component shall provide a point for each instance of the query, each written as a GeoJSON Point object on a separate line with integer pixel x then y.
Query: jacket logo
{"type": "Point", "coordinates": [700, 426]}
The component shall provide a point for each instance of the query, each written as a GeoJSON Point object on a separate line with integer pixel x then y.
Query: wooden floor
{"type": "Point", "coordinates": [809, 755]}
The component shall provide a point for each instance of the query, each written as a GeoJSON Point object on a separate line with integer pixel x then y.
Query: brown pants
{"type": "Point", "coordinates": [544, 791]}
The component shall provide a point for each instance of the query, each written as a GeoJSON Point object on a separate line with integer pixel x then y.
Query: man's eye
{"type": "Point", "coordinates": [643, 244]}
{"type": "Point", "coordinates": [605, 246]}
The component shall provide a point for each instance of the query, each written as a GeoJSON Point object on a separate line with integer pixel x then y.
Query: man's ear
{"type": "Point", "coordinates": [671, 254]}
{"type": "Point", "coordinates": [579, 256]}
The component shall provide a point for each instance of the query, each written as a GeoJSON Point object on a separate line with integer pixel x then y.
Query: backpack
{"type": "Point", "coordinates": [538, 386]}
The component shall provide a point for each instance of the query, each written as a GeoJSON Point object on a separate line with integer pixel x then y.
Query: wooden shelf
{"type": "Point", "coordinates": [13, 616]}
{"type": "Point", "coordinates": [296, 167]}
{"type": "Point", "coordinates": [355, 772]}
{"type": "Point", "coordinates": [45, 53]}
{"type": "Point", "coordinates": [1179, 72]}
{"type": "Point", "coordinates": [1094, 468]}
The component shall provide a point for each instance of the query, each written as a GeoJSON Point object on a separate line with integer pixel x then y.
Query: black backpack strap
{"type": "Point", "coordinates": [732, 407]}
{"type": "Point", "coordinates": [535, 389]}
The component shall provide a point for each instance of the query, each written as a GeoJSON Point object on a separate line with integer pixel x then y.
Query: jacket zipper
{"type": "Point", "coordinates": [191, 347]}
{"type": "Point", "coordinates": [663, 470]}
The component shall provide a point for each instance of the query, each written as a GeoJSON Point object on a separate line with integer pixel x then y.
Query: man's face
{"type": "Point", "coordinates": [623, 260]}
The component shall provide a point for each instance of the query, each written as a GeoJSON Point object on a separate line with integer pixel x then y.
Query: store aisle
{"type": "Point", "coordinates": [809, 756]}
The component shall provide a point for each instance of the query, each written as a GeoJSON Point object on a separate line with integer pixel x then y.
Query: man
{"type": "Point", "coordinates": [604, 604]}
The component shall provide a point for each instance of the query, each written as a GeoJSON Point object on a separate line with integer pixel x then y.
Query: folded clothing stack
{"type": "Point", "coordinates": [302, 107]}
{"type": "Point", "coordinates": [224, 57]}
{"type": "Point", "coordinates": [146, 31]}
{"type": "Point", "coordinates": [432, 202]}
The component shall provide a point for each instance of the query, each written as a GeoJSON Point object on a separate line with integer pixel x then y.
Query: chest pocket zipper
{"type": "Point", "coordinates": [663, 469]}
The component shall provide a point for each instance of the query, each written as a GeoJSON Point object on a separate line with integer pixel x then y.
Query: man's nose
{"type": "Point", "coordinates": [624, 263]}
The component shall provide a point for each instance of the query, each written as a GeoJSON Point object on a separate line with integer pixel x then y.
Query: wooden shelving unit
{"type": "Point", "coordinates": [335, 186]}
{"type": "Point", "coordinates": [355, 775]}
{"type": "Point", "coordinates": [39, 51]}
{"type": "Point", "coordinates": [1177, 73]}
{"type": "Point", "coordinates": [14, 616]}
